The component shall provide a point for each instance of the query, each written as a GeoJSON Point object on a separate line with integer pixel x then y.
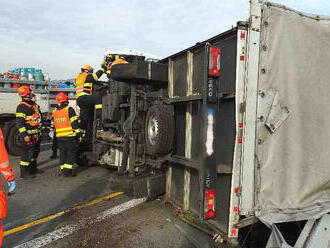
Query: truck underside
{"type": "Point", "coordinates": [155, 122]}
{"type": "Point", "coordinates": [194, 117]}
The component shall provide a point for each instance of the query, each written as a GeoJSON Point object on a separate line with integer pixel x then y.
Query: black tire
{"type": "Point", "coordinates": [13, 144]}
{"type": "Point", "coordinates": [159, 129]}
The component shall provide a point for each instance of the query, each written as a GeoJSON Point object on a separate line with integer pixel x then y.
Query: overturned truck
{"type": "Point", "coordinates": [238, 123]}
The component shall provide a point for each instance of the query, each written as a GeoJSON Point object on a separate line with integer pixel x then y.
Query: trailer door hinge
{"type": "Point", "coordinates": [242, 107]}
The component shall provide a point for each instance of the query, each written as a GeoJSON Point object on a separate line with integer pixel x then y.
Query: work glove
{"type": "Point", "coordinates": [27, 138]}
{"type": "Point", "coordinates": [79, 137]}
{"type": "Point", "coordinates": [104, 65]}
{"type": "Point", "coordinates": [11, 186]}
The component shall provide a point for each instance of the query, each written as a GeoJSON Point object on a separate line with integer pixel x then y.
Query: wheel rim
{"type": "Point", "coordinates": [153, 129]}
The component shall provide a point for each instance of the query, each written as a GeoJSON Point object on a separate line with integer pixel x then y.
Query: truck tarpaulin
{"type": "Point", "coordinates": [293, 134]}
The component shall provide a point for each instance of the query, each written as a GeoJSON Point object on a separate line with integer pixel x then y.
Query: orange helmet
{"type": "Point", "coordinates": [24, 91]}
{"type": "Point", "coordinates": [61, 97]}
{"type": "Point", "coordinates": [87, 67]}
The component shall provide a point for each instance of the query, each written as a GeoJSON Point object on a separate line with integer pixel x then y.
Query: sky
{"type": "Point", "coordinates": [60, 36]}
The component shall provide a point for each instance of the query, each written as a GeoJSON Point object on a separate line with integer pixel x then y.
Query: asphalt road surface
{"type": "Point", "coordinates": [89, 210]}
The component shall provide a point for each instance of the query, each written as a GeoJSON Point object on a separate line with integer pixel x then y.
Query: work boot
{"type": "Point", "coordinates": [54, 155]}
{"type": "Point", "coordinates": [73, 172]}
{"type": "Point", "coordinates": [68, 172]}
{"type": "Point", "coordinates": [34, 169]}
{"type": "Point", "coordinates": [65, 172]}
{"type": "Point", "coordinates": [25, 172]}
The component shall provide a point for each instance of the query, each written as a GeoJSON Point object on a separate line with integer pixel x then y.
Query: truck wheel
{"type": "Point", "coordinates": [159, 130]}
{"type": "Point", "coordinates": [13, 145]}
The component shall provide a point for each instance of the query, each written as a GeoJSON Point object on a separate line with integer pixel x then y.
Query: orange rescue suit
{"type": "Point", "coordinates": [8, 174]}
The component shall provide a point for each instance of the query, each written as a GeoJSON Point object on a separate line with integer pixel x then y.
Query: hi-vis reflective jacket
{"type": "Point", "coordinates": [28, 118]}
{"type": "Point", "coordinates": [84, 82]}
{"type": "Point", "coordinates": [65, 121]}
{"type": "Point", "coordinates": [8, 174]}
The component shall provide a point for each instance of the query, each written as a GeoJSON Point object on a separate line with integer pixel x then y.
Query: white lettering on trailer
{"type": "Point", "coordinates": [209, 132]}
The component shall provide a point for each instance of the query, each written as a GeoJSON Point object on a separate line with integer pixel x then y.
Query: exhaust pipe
{"type": "Point", "coordinates": [108, 136]}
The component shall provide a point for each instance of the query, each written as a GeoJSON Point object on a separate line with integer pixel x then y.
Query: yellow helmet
{"type": "Point", "coordinates": [87, 68]}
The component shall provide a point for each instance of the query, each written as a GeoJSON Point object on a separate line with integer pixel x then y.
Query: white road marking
{"type": "Point", "coordinates": [70, 229]}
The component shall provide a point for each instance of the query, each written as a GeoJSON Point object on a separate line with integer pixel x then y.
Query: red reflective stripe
{"type": "Point", "coordinates": [8, 168]}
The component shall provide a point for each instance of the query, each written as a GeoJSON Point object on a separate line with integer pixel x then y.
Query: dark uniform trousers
{"type": "Point", "coordinates": [29, 156]}
{"type": "Point", "coordinates": [68, 149]}
{"type": "Point", "coordinates": [87, 104]}
{"type": "Point", "coordinates": [54, 145]}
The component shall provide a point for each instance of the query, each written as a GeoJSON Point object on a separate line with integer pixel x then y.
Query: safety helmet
{"type": "Point", "coordinates": [24, 91]}
{"type": "Point", "coordinates": [61, 97]}
{"type": "Point", "coordinates": [87, 67]}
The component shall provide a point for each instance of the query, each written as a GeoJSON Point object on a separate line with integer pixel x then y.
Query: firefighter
{"type": "Point", "coordinates": [114, 60]}
{"type": "Point", "coordinates": [84, 88]}
{"type": "Point", "coordinates": [8, 174]}
{"type": "Point", "coordinates": [28, 122]}
{"type": "Point", "coordinates": [66, 127]}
